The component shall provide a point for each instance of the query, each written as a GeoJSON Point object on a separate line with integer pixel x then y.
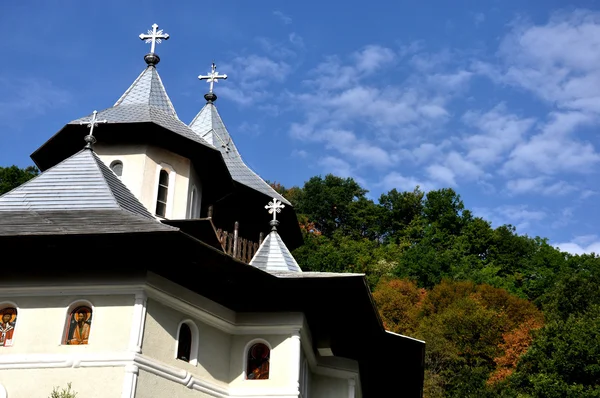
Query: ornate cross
{"type": "Point", "coordinates": [275, 207]}
{"type": "Point", "coordinates": [212, 77]}
{"type": "Point", "coordinates": [154, 36]}
{"type": "Point", "coordinates": [91, 124]}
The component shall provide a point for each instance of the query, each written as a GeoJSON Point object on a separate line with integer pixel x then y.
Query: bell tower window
{"type": "Point", "coordinates": [117, 168]}
{"type": "Point", "coordinates": [163, 191]}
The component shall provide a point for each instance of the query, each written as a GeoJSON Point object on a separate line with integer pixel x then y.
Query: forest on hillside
{"type": "Point", "coordinates": [502, 314]}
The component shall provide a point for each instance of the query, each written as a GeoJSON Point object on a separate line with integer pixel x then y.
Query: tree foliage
{"type": "Point", "coordinates": [63, 393]}
{"type": "Point", "coordinates": [503, 314]}
{"type": "Point", "coordinates": [13, 176]}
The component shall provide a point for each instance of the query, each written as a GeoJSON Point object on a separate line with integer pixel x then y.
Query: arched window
{"type": "Point", "coordinates": [117, 168]}
{"type": "Point", "coordinates": [163, 191]}
{"type": "Point", "coordinates": [187, 342]}
{"type": "Point", "coordinates": [184, 346]}
{"type": "Point", "coordinates": [78, 326]}
{"type": "Point", "coordinates": [8, 320]}
{"type": "Point", "coordinates": [257, 362]}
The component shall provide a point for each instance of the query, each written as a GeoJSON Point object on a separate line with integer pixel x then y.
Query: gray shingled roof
{"type": "Point", "coordinates": [81, 181]}
{"type": "Point", "coordinates": [209, 126]}
{"type": "Point", "coordinates": [146, 101]}
{"type": "Point", "coordinates": [148, 89]}
{"type": "Point", "coordinates": [78, 195]}
{"type": "Point", "coordinates": [274, 256]}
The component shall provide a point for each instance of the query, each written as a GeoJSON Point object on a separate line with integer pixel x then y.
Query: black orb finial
{"type": "Point", "coordinates": [151, 59]}
{"type": "Point", "coordinates": [274, 224]}
{"type": "Point", "coordinates": [210, 97]}
{"type": "Point", "coordinates": [90, 140]}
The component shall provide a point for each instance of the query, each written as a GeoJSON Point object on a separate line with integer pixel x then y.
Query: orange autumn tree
{"type": "Point", "coordinates": [475, 333]}
{"type": "Point", "coordinates": [399, 302]}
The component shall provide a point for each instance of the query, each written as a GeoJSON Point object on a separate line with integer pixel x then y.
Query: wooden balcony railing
{"type": "Point", "coordinates": [236, 246]}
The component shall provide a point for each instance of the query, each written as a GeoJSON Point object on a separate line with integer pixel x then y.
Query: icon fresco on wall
{"type": "Point", "coordinates": [8, 318]}
{"type": "Point", "coordinates": [80, 322]}
{"type": "Point", "coordinates": [257, 367]}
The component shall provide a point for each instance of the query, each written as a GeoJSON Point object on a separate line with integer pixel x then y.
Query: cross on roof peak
{"type": "Point", "coordinates": [154, 36]}
{"type": "Point", "coordinates": [212, 77]}
{"type": "Point", "coordinates": [274, 207]}
{"type": "Point", "coordinates": [93, 122]}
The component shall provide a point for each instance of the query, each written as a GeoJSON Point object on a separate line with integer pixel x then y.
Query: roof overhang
{"type": "Point", "coordinates": [338, 308]}
{"type": "Point", "coordinates": [208, 161]}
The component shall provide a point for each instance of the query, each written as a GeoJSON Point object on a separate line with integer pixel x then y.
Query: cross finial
{"type": "Point", "coordinates": [90, 139]}
{"type": "Point", "coordinates": [154, 36]}
{"type": "Point", "coordinates": [213, 77]}
{"type": "Point", "coordinates": [275, 207]}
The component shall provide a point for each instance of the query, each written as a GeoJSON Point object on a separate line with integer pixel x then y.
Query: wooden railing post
{"type": "Point", "coordinates": [261, 236]}
{"type": "Point", "coordinates": [235, 239]}
{"type": "Point", "coordinates": [210, 211]}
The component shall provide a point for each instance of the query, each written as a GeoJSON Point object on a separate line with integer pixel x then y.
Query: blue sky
{"type": "Point", "coordinates": [499, 100]}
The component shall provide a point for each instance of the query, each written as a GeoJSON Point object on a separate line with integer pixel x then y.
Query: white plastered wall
{"type": "Point", "coordinates": [141, 167]}
{"type": "Point", "coordinates": [159, 342]}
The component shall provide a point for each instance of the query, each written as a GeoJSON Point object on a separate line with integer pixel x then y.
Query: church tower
{"type": "Point", "coordinates": [120, 283]}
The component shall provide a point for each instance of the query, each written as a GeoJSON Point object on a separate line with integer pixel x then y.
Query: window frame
{"type": "Point", "coordinates": [70, 308]}
{"type": "Point", "coordinates": [170, 190]}
{"type": "Point", "coordinates": [115, 163]}
{"type": "Point", "coordinates": [249, 345]}
{"type": "Point", "coordinates": [11, 304]}
{"type": "Point", "coordinates": [194, 343]}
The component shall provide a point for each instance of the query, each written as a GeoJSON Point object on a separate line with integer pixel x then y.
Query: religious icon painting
{"type": "Point", "coordinates": [257, 367]}
{"type": "Point", "coordinates": [8, 319]}
{"type": "Point", "coordinates": [78, 327]}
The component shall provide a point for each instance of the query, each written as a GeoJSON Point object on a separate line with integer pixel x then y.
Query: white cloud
{"type": "Point", "coordinates": [478, 18]}
{"type": "Point", "coordinates": [286, 19]}
{"type": "Point", "coordinates": [402, 183]}
{"type": "Point", "coordinates": [255, 74]}
{"type": "Point", "coordinates": [583, 244]}
{"type": "Point", "coordinates": [539, 185]}
{"type": "Point", "coordinates": [520, 216]}
{"type": "Point", "coordinates": [441, 174]}
{"type": "Point", "coordinates": [372, 58]}
{"type": "Point", "coordinates": [501, 131]}
{"type": "Point", "coordinates": [336, 166]}
{"type": "Point", "coordinates": [24, 98]}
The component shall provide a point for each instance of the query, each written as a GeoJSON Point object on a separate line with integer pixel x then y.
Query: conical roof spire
{"type": "Point", "coordinates": [273, 255]}
{"type": "Point", "coordinates": [209, 126]}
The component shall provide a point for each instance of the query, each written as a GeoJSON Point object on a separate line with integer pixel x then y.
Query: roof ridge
{"type": "Point", "coordinates": [209, 119]}
{"type": "Point", "coordinates": [148, 89]}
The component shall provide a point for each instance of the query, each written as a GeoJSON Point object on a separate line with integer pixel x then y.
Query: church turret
{"type": "Point", "coordinates": [251, 191]}
{"type": "Point", "coordinates": [273, 255]}
{"type": "Point", "coordinates": [167, 166]}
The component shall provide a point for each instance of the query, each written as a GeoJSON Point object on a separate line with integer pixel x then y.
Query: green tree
{"type": "Point", "coordinates": [13, 176]}
{"type": "Point", "coordinates": [333, 204]}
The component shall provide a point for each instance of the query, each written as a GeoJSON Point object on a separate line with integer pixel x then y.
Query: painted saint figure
{"type": "Point", "coordinates": [7, 326]}
{"type": "Point", "coordinates": [257, 367]}
{"type": "Point", "coordinates": [79, 326]}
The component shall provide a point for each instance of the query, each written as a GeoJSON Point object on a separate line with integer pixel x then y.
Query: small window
{"type": "Point", "coordinates": [184, 343]}
{"type": "Point", "coordinates": [78, 326]}
{"type": "Point", "coordinates": [117, 168]}
{"type": "Point", "coordinates": [163, 190]}
{"type": "Point", "coordinates": [8, 319]}
{"type": "Point", "coordinates": [257, 365]}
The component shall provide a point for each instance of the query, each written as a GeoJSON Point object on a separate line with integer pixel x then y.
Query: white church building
{"type": "Point", "coordinates": [147, 260]}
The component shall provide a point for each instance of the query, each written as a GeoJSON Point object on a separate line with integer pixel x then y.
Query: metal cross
{"type": "Point", "coordinates": [91, 124]}
{"type": "Point", "coordinates": [212, 77]}
{"type": "Point", "coordinates": [275, 207]}
{"type": "Point", "coordinates": [154, 36]}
